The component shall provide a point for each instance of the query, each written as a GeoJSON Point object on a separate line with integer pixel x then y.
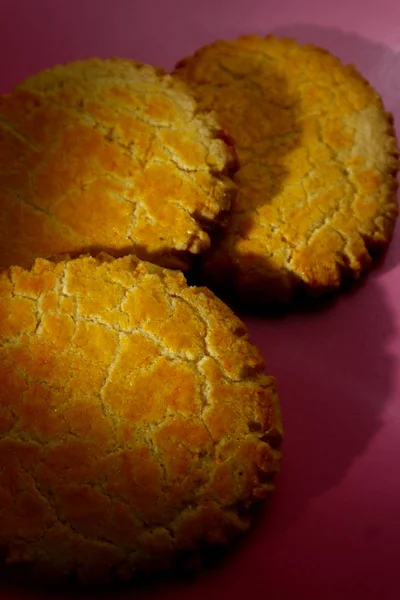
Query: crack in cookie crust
{"type": "Point", "coordinates": [318, 164]}
{"type": "Point", "coordinates": [109, 155]}
{"type": "Point", "coordinates": [135, 419]}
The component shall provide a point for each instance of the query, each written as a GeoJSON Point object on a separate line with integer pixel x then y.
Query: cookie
{"type": "Point", "coordinates": [136, 424]}
{"type": "Point", "coordinates": [109, 155]}
{"type": "Point", "coordinates": [318, 162]}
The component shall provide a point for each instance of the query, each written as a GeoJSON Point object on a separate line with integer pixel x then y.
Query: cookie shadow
{"type": "Point", "coordinates": [378, 63]}
{"type": "Point", "coordinates": [335, 374]}
{"type": "Point", "coordinates": [381, 66]}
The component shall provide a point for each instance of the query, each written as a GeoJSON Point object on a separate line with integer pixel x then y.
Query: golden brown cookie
{"type": "Point", "coordinates": [135, 420]}
{"type": "Point", "coordinates": [109, 155]}
{"type": "Point", "coordinates": [318, 162]}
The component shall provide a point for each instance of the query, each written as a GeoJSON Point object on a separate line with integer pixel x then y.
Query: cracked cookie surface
{"type": "Point", "coordinates": [135, 419]}
{"type": "Point", "coordinates": [109, 155]}
{"type": "Point", "coordinates": [318, 164]}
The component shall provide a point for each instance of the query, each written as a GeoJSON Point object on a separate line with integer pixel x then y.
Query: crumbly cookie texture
{"type": "Point", "coordinates": [318, 163]}
{"type": "Point", "coordinates": [109, 155]}
{"type": "Point", "coordinates": [135, 419]}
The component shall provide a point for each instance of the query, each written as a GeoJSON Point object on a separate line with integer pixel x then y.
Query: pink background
{"type": "Point", "coordinates": [333, 528]}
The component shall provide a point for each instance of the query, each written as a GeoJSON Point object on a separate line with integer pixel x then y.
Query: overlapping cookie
{"type": "Point", "coordinates": [136, 423]}
{"type": "Point", "coordinates": [109, 155]}
{"type": "Point", "coordinates": [318, 164]}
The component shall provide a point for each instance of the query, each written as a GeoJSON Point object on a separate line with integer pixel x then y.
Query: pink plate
{"type": "Point", "coordinates": [332, 530]}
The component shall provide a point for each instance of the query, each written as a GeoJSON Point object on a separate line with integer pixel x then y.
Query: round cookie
{"type": "Point", "coordinates": [136, 423]}
{"type": "Point", "coordinates": [318, 163]}
{"type": "Point", "coordinates": [109, 155]}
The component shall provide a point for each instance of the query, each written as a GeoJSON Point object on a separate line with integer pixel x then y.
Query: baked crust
{"type": "Point", "coordinates": [135, 419]}
{"type": "Point", "coordinates": [318, 164]}
{"type": "Point", "coordinates": [109, 155]}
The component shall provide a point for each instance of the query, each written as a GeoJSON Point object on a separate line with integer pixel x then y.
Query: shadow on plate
{"type": "Point", "coordinates": [335, 372]}
{"type": "Point", "coordinates": [18, 584]}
